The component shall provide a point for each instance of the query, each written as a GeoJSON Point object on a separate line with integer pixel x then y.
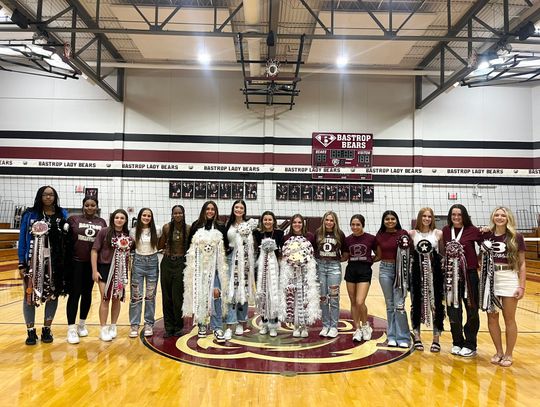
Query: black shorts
{"type": "Point", "coordinates": [103, 269]}
{"type": "Point", "coordinates": [358, 272]}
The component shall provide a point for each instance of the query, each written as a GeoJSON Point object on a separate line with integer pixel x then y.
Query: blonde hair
{"type": "Point", "coordinates": [321, 231]}
{"type": "Point", "coordinates": [419, 218]}
{"type": "Point", "coordinates": [512, 248]}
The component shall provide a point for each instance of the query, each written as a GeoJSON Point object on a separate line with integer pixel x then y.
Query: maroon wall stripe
{"type": "Point", "coordinates": [198, 157]}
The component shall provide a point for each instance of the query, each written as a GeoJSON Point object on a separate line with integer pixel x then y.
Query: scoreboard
{"type": "Point", "coordinates": [331, 152]}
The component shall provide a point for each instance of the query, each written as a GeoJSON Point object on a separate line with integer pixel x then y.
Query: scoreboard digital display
{"type": "Point", "coordinates": [341, 150]}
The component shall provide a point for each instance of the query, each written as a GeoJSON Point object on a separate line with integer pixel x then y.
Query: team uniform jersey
{"type": "Point", "coordinates": [360, 250]}
{"type": "Point", "coordinates": [329, 249]}
{"type": "Point", "coordinates": [83, 234]}
{"type": "Point", "coordinates": [388, 243]}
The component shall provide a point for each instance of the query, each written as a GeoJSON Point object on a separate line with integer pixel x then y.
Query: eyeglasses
{"type": "Point", "coordinates": [48, 195]}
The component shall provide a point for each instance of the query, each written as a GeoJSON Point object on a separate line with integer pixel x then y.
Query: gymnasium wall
{"type": "Point", "coordinates": [193, 125]}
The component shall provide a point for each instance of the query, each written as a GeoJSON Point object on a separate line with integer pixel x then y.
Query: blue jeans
{"type": "Point", "coordinates": [398, 325]}
{"type": "Point", "coordinates": [144, 268]}
{"type": "Point", "coordinates": [216, 319]}
{"type": "Point", "coordinates": [235, 312]}
{"type": "Point", "coordinates": [329, 272]}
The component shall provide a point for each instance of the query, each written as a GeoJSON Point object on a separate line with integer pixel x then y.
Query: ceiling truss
{"type": "Point", "coordinates": [447, 47]}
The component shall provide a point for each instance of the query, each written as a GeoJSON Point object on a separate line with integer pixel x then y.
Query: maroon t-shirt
{"type": "Point", "coordinates": [361, 247]}
{"type": "Point", "coordinates": [470, 236]}
{"type": "Point", "coordinates": [104, 249]}
{"type": "Point", "coordinates": [500, 252]}
{"type": "Point", "coordinates": [329, 249]}
{"type": "Point", "coordinates": [83, 233]}
{"type": "Point", "coordinates": [388, 242]}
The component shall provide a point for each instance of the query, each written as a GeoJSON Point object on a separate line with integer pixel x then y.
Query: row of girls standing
{"type": "Point", "coordinates": [456, 282]}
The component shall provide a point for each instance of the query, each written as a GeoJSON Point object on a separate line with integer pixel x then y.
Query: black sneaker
{"type": "Point", "coordinates": [219, 335]}
{"type": "Point", "coordinates": [32, 337]}
{"type": "Point", "coordinates": [46, 334]}
{"type": "Point", "coordinates": [202, 331]}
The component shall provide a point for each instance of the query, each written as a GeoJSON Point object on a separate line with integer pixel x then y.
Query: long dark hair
{"type": "Point", "coordinates": [172, 226]}
{"type": "Point", "coordinates": [201, 222]}
{"type": "Point", "coordinates": [232, 217]}
{"type": "Point", "coordinates": [303, 231]}
{"type": "Point", "coordinates": [465, 217]}
{"type": "Point", "coordinates": [111, 231]}
{"type": "Point", "coordinates": [360, 218]}
{"type": "Point", "coordinates": [139, 228]}
{"type": "Point", "coordinates": [382, 229]}
{"type": "Point", "coordinates": [90, 198]}
{"type": "Point", "coordinates": [38, 201]}
{"type": "Point", "coordinates": [269, 213]}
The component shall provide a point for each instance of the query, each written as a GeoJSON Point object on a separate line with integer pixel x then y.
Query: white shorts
{"type": "Point", "coordinates": [506, 283]}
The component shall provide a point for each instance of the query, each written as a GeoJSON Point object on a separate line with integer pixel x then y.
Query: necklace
{"type": "Point", "coordinates": [453, 230]}
{"type": "Point", "coordinates": [176, 234]}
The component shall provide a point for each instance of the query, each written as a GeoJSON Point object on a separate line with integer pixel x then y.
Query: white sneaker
{"type": "Point", "coordinates": [404, 345]}
{"type": "Point", "coordinates": [82, 331]}
{"type": "Point", "coordinates": [148, 330]}
{"type": "Point", "coordinates": [273, 332]}
{"type": "Point", "coordinates": [392, 343]}
{"type": "Point", "coordinates": [304, 332]}
{"type": "Point", "coordinates": [332, 333]}
{"type": "Point", "coordinates": [104, 335]}
{"type": "Point", "coordinates": [134, 331]}
{"type": "Point", "coordinates": [228, 334]}
{"type": "Point", "coordinates": [467, 353]}
{"type": "Point", "coordinates": [239, 330]}
{"type": "Point", "coordinates": [357, 336]}
{"type": "Point", "coordinates": [112, 331]}
{"type": "Point", "coordinates": [366, 332]}
{"type": "Point", "coordinates": [455, 350]}
{"type": "Point", "coordinates": [264, 329]}
{"type": "Point", "coordinates": [72, 336]}
{"type": "Point", "coordinates": [296, 333]}
{"type": "Point", "coordinates": [324, 332]}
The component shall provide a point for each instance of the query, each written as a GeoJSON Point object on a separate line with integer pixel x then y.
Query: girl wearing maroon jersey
{"type": "Point", "coordinates": [83, 231]}
{"type": "Point", "coordinates": [330, 251]}
{"type": "Point", "coordinates": [387, 245]}
{"type": "Point", "coordinates": [109, 259]}
{"type": "Point", "coordinates": [461, 261]}
{"type": "Point", "coordinates": [509, 255]}
{"type": "Point", "coordinates": [360, 246]}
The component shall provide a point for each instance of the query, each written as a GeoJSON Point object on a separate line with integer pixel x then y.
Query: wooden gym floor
{"type": "Point", "coordinates": [126, 372]}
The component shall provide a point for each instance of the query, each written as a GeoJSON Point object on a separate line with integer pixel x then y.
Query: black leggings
{"type": "Point", "coordinates": [80, 287]}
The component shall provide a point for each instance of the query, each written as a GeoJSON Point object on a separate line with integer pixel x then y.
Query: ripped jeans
{"type": "Point", "coordinates": [398, 326]}
{"type": "Point", "coordinates": [144, 268]}
{"type": "Point", "coordinates": [329, 272]}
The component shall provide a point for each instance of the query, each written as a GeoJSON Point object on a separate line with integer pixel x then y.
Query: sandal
{"type": "Point", "coordinates": [418, 345]}
{"type": "Point", "coordinates": [496, 359]}
{"type": "Point", "coordinates": [435, 347]}
{"type": "Point", "coordinates": [506, 361]}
